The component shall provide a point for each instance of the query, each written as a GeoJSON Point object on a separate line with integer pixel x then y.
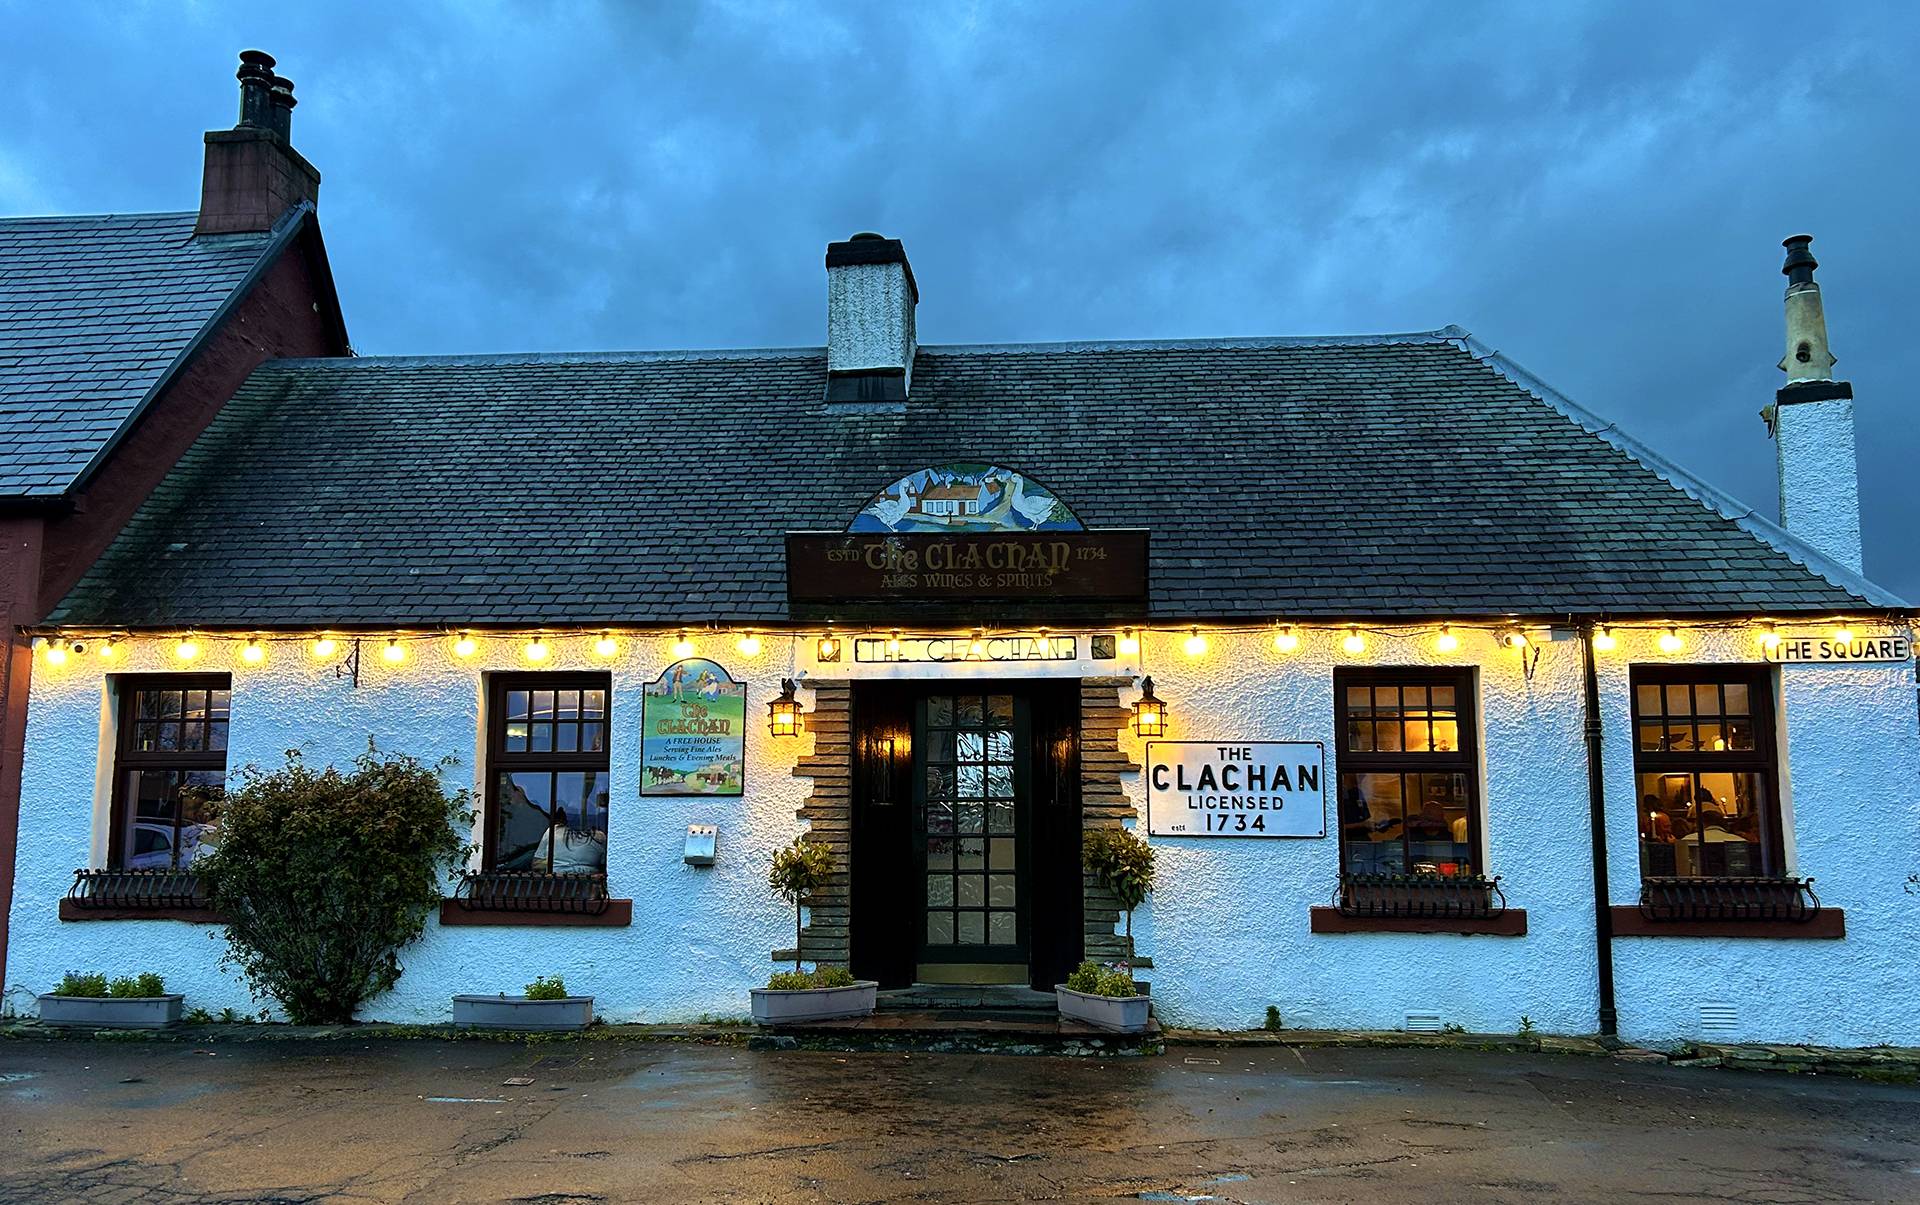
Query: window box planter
{"type": "Point", "coordinates": [111, 1012]}
{"type": "Point", "coordinates": [518, 1012]}
{"type": "Point", "coordinates": [798, 1006]}
{"type": "Point", "coordinates": [1120, 1014]}
{"type": "Point", "coordinates": [1420, 896]}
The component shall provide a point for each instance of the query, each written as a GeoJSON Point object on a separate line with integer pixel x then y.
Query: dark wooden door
{"type": "Point", "coordinates": [1057, 893]}
{"type": "Point", "coordinates": [883, 930]}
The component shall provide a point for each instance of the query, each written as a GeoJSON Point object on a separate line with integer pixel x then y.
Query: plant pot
{"type": "Point", "coordinates": [518, 1012]}
{"type": "Point", "coordinates": [801, 1005]}
{"type": "Point", "coordinates": [111, 1012]}
{"type": "Point", "coordinates": [1121, 1014]}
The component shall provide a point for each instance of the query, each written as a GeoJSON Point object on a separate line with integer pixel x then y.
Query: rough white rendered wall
{"type": "Point", "coordinates": [869, 318]}
{"type": "Point", "coordinates": [1852, 751]}
{"type": "Point", "coordinates": [1228, 925]}
{"type": "Point", "coordinates": [1819, 477]}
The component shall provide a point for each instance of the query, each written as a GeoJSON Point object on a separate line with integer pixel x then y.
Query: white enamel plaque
{"type": "Point", "coordinates": [1792, 649]}
{"type": "Point", "coordinates": [1236, 789]}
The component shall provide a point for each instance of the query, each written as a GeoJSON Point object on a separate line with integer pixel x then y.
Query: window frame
{"type": "Point", "coordinates": [1762, 760]}
{"type": "Point", "coordinates": [128, 688]}
{"type": "Point", "coordinates": [1464, 760]}
{"type": "Point", "coordinates": [499, 759]}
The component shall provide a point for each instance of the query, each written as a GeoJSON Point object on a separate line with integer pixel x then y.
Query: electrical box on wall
{"type": "Point", "coordinates": [701, 841]}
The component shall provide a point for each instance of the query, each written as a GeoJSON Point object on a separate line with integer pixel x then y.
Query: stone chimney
{"type": "Point", "coordinates": [253, 175]}
{"type": "Point", "coordinates": [870, 302]}
{"type": "Point", "coordinates": [1811, 422]}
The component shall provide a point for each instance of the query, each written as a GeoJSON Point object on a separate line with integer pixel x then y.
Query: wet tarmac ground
{"type": "Point", "coordinates": [439, 1121]}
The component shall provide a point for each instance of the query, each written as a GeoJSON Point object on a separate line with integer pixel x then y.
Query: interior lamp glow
{"type": "Point", "coordinates": [748, 645]}
{"type": "Point", "coordinates": [253, 653]}
{"type": "Point", "coordinates": [1354, 641]}
{"type": "Point", "coordinates": [325, 646]}
{"type": "Point", "coordinates": [1286, 640]}
{"type": "Point", "coordinates": [395, 652]}
{"type": "Point", "coordinates": [187, 649]}
{"type": "Point", "coordinates": [783, 714]}
{"type": "Point", "coordinates": [1603, 640]}
{"type": "Point", "coordinates": [1670, 641]}
{"type": "Point", "coordinates": [466, 645]}
{"type": "Point", "coordinates": [1448, 642]}
{"type": "Point", "coordinates": [1196, 644]}
{"type": "Point", "coordinates": [1129, 645]}
{"type": "Point", "coordinates": [1150, 713]}
{"type": "Point", "coordinates": [606, 646]}
{"type": "Point", "coordinates": [537, 649]}
{"type": "Point", "coordinates": [56, 652]}
{"type": "Point", "coordinates": [683, 646]}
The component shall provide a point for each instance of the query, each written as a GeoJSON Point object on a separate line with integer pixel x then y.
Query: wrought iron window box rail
{"type": "Point", "coordinates": [127, 890]}
{"type": "Point", "coordinates": [579, 893]}
{"type": "Point", "coordinates": [1728, 899]}
{"type": "Point", "coordinates": [1420, 896]}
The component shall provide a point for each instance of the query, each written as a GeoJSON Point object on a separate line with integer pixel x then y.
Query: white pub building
{"type": "Point", "coordinates": [1442, 700]}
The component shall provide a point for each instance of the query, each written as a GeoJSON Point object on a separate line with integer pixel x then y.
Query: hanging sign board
{"type": "Point", "coordinates": [1236, 789]}
{"type": "Point", "coordinates": [1793, 649]}
{"type": "Point", "coordinates": [827, 567]}
{"type": "Point", "coordinates": [693, 731]}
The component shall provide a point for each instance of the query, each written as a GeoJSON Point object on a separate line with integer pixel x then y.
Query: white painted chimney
{"type": "Point", "coordinates": [870, 302]}
{"type": "Point", "coordinates": [1811, 422]}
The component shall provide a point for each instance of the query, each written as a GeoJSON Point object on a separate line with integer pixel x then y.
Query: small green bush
{"type": "Point", "coordinates": [800, 981]}
{"type": "Point", "coordinates": [1116, 983]}
{"type": "Point", "coordinates": [797, 872]}
{"type": "Point", "coordinates": [77, 984]}
{"type": "Point", "coordinates": [145, 984]}
{"type": "Point", "coordinates": [543, 988]}
{"type": "Point", "coordinates": [1085, 978]}
{"type": "Point", "coordinates": [1273, 1019]}
{"type": "Point", "coordinates": [1123, 862]}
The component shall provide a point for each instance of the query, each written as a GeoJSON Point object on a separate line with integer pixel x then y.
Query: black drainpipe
{"type": "Point", "coordinates": [1597, 825]}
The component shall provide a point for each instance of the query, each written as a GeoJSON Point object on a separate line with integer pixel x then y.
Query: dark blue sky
{"type": "Point", "coordinates": [1600, 194]}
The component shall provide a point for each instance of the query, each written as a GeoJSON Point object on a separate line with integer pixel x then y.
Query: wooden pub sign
{"type": "Point", "coordinates": [1093, 566]}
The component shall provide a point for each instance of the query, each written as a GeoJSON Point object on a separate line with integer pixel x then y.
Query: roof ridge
{"type": "Point", "coordinates": [1741, 515]}
{"type": "Point", "coordinates": [1447, 334]}
{"type": "Point", "coordinates": [96, 217]}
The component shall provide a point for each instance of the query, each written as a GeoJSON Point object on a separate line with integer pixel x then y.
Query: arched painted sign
{"type": "Point", "coordinates": [955, 498]}
{"type": "Point", "coordinates": [693, 731]}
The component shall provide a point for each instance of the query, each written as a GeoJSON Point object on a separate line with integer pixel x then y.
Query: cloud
{"type": "Point", "coordinates": [1599, 192]}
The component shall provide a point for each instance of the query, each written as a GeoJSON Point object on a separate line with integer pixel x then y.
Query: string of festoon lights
{"type": "Point", "coordinates": [537, 646]}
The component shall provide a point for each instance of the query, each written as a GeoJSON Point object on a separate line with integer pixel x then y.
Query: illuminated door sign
{"type": "Point", "coordinates": [1823, 648]}
{"type": "Point", "coordinates": [961, 648]}
{"type": "Point", "coordinates": [1236, 789]}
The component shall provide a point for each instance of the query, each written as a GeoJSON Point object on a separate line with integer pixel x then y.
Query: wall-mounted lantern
{"type": "Point", "coordinates": [1150, 713]}
{"type": "Point", "coordinates": [783, 714]}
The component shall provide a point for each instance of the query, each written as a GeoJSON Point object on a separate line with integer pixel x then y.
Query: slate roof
{"type": "Point", "coordinates": [1384, 476]}
{"type": "Point", "coordinates": [94, 313]}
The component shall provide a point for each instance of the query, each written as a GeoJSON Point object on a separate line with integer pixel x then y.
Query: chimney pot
{"type": "Point", "coordinates": [256, 81]}
{"type": "Point", "coordinates": [1811, 422]}
{"type": "Point", "coordinates": [253, 175]}
{"type": "Point", "coordinates": [281, 115]}
{"type": "Point", "coordinates": [1800, 262]}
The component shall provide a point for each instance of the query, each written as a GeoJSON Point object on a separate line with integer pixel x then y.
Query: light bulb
{"type": "Point", "coordinates": [828, 648]}
{"type": "Point", "coordinates": [1195, 644]}
{"type": "Point", "coordinates": [1769, 638]}
{"type": "Point", "coordinates": [325, 646]}
{"type": "Point", "coordinates": [683, 647]}
{"type": "Point", "coordinates": [1129, 644]}
{"type": "Point", "coordinates": [1670, 641]}
{"type": "Point", "coordinates": [979, 646]}
{"type": "Point", "coordinates": [254, 653]}
{"type": "Point", "coordinates": [187, 649]}
{"type": "Point", "coordinates": [1604, 641]}
{"type": "Point", "coordinates": [109, 648]}
{"type": "Point", "coordinates": [1448, 642]}
{"type": "Point", "coordinates": [606, 646]}
{"type": "Point", "coordinates": [1843, 634]}
{"type": "Point", "coordinates": [56, 652]}
{"type": "Point", "coordinates": [749, 645]}
{"type": "Point", "coordinates": [395, 652]}
{"type": "Point", "coordinates": [1514, 638]}
{"type": "Point", "coordinates": [1286, 640]}
{"type": "Point", "coordinates": [1354, 641]}
{"type": "Point", "coordinates": [466, 645]}
{"type": "Point", "coordinates": [893, 643]}
{"type": "Point", "coordinates": [536, 649]}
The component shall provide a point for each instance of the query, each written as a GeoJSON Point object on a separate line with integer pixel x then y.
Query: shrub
{"type": "Point", "coordinates": [800, 981]}
{"type": "Point", "coordinates": [1085, 977]}
{"type": "Point", "coordinates": [543, 988]}
{"type": "Point", "coordinates": [146, 983]}
{"type": "Point", "coordinates": [1123, 863]}
{"type": "Point", "coordinates": [1116, 983]}
{"type": "Point", "coordinates": [75, 983]}
{"type": "Point", "coordinates": [324, 876]}
{"type": "Point", "coordinates": [797, 872]}
{"type": "Point", "coordinates": [1273, 1019]}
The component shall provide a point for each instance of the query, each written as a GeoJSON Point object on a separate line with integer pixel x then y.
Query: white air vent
{"type": "Point", "coordinates": [1719, 1019]}
{"type": "Point", "coordinates": [1424, 1023]}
